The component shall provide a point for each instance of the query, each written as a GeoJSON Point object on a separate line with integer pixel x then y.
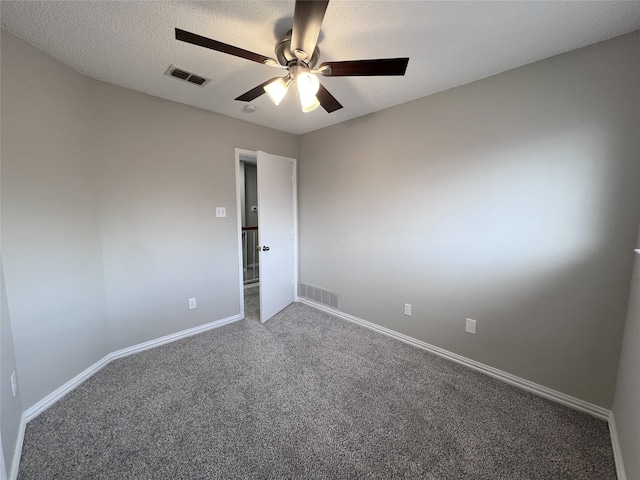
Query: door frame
{"type": "Point", "coordinates": [3, 469]}
{"type": "Point", "coordinates": [242, 154]}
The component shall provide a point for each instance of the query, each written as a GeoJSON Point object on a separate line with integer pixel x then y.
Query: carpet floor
{"type": "Point", "coordinates": [306, 395]}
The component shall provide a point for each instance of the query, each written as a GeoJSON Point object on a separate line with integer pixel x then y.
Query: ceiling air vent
{"type": "Point", "coordinates": [186, 76]}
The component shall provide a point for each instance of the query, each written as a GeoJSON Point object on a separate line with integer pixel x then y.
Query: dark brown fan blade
{"type": "Point", "coordinates": [307, 20]}
{"type": "Point", "coordinates": [205, 42]}
{"type": "Point", "coordinates": [328, 102]}
{"type": "Point", "coordinates": [365, 68]}
{"type": "Point", "coordinates": [255, 92]}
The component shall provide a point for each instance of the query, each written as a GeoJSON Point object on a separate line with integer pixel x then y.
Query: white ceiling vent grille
{"type": "Point", "coordinates": [187, 76]}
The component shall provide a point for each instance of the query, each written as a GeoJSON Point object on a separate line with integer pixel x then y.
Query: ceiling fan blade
{"type": "Point", "coordinates": [307, 20]}
{"type": "Point", "coordinates": [328, 102]}
{"type": "Point", "coordinates": [205, 42]}
{"type": "Point", "coordinates": [365, 68]}
{"type": "Point", "coordinates": [255, 92]}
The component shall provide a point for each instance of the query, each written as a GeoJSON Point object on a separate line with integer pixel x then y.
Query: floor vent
{"type": "Point", "coordinates": [320, 295]}
{"type": "Point", "coordinates": [186, 76]}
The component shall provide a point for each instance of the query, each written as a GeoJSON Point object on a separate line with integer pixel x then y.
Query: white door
{"type": "Point", "coordinates": [276, 230]}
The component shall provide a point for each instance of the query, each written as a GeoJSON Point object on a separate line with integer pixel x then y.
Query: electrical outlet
{"type": "Point", "coordinates": [470, 326]}
{"type": "Point", "coordinates": [407, 309]}
{"type": "Point", "coordinates": [192, 303]}
{"type": "Point", "coordinates": [221, 211]}
{"type": "Point", "coordinates": [14, 383]}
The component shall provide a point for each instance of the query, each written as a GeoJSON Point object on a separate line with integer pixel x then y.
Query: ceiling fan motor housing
{"type": "Point", "coordinates": [286, 57]}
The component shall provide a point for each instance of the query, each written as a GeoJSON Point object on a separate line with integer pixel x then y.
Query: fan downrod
{"type": "Point", "coordinates": [286, 58]}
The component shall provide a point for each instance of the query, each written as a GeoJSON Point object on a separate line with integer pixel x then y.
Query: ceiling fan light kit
{"type": "Point", "coordinates": [292, 53]}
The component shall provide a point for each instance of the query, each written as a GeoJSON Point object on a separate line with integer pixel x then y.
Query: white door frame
{"type": "Point", "coordinates": [3, 471]}
{"type": "Point", "coordinates": [239, 153]}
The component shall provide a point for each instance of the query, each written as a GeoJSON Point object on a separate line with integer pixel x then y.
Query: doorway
{"type": "Point", "coordinates": [248, 187]}
{"type": "Point", "coordinates": [249, 211]}
{"type": "Point", "coordinates": [266, 191]}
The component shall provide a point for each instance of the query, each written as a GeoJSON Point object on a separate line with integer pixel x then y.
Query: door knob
{"type": "Point", "coordinates": [265, 249]}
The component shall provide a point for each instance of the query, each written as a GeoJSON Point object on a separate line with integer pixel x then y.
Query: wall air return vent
{"type": "Point", "coordinates": [186, 76]}
{"type": "Point", "coordinates": [319, 295]}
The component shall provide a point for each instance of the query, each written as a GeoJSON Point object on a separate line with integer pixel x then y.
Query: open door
{"type": "Point", "coordinates": [277, 232]}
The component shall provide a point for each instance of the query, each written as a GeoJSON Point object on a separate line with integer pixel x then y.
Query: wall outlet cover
{"type": "Point", "coordinates": [470, 326]}
{"type": "Point", "coordinates": [407, 309]}
{"type": "Point", "coordinates": [221, 211]}
{"type": "Point", "coordinates": [192, 303]}
{"type": "Point", "coordinates": [14, 383]}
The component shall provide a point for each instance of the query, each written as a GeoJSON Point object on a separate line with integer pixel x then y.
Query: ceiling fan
{"type": "Point", "coordinates": [298, 53]}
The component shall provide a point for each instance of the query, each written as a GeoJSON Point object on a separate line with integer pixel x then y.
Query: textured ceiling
{"type": "Point", "coordinates": [131, 43]}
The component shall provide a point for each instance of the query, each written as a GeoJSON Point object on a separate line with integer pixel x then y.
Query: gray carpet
{"type": "Point", "coordinates": [306, 395]}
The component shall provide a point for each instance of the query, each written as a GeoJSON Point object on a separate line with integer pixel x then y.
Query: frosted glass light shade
{"type": "Point", "coordinates": [308, 86]}
{"type": "Point", "coordinates": [309, 103]}
{"type": "Point", "coordinates": [277, 90]}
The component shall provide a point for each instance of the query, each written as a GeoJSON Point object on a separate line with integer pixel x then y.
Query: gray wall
{"type": "Point", "coordinates": [164, 169]}
{"type": "Point", "coordinates": [50, 233]}
{"type": "Point", "coordinates": [10, 406]}
{"type": "Point", "coordinates": [512, 200]}
{"type": "Point", "coordinates": [108, 215]}
{"type": "Point", "coordinates": [626, 404]}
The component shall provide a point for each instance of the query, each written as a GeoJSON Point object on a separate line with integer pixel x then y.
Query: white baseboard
{"type": "Point", "coordinates": [35, 410]}
{"type": "Point", "coordinates": [535, 388]}
{"type": "Point", "coordinates": [3, 470]}
{"type": "Point", "coordinates": [15, 463]}
{"type": "Point", "coordinates": [615, 444]}
{"type": "Point", "coordinates": [532, 387]}
{"type": "Point", "coordinates": [60, 392]}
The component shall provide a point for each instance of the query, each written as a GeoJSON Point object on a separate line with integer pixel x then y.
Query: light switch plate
{"type": "Point", "coordinates": [221, 212]}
